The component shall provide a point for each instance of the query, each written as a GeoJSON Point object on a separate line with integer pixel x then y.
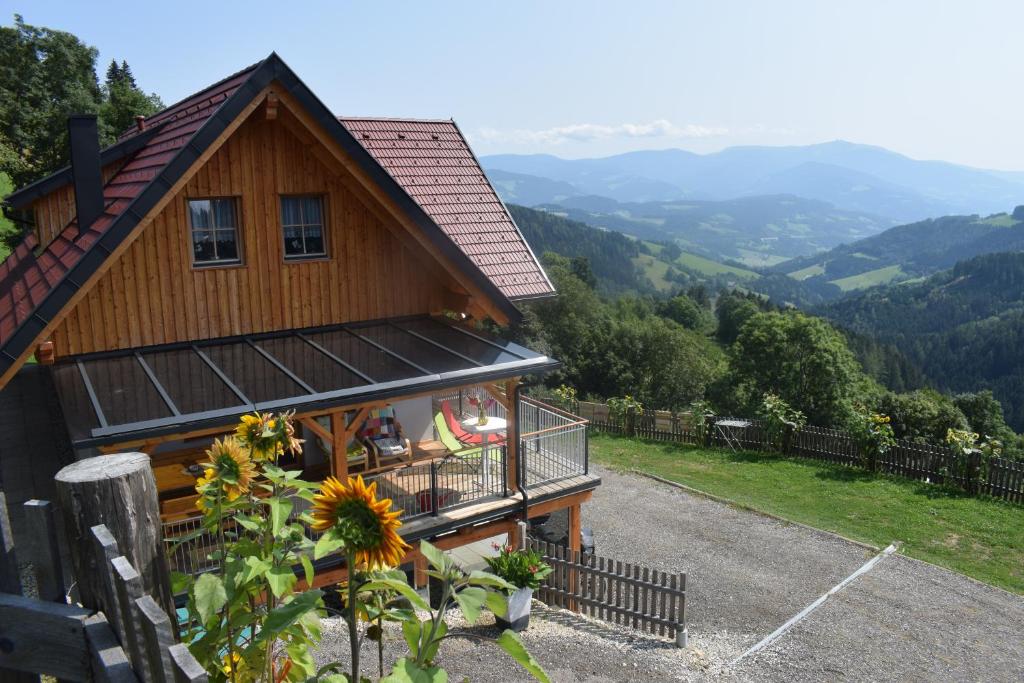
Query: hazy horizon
{"type": "Point", "coordinates": [593, 79]}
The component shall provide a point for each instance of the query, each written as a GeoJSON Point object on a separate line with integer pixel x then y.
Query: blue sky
{"type": "Point", "coordinates": [933, 80]}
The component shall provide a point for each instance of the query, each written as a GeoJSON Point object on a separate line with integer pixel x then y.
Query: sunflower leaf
{"type": "Point", "coordinates": [497, 603]}
{"type": "Point", "coordinates": [307, 567]}
{"type": "Point", "coordinates": [401, 587]}
{"type": "Point", "coordinates": [326, 545]}
{"type": "Point", "coordinates": [287, 614]}
{"type": "Point", "coordinates": [479, 578]}
{"type": "Point", "coordinates": [435, 557]}
{"type": "Point", "coordinates": [209, 595]}
{"type": "Point", "coordinates": [509, 642]}
{"type": "Point", "coordinates": [280, 508]}
{"type": "Point", "coordinates": [406, 671]}
{"type": "Point", "coordinates": [471, 601]}
{"type": "Point", "coordinates": [281, 580]}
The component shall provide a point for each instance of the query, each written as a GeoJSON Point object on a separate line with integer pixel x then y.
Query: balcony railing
{"type": "Point", "coordinates": [553, 447]}
{"type": "Point", "coordinates": [553, 443]}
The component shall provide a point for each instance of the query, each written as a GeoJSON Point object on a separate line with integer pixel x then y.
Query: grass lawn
{"type": "Point", "coordinates": [982, 538]}
{"type": "Point", "coordinates": [879, 276]}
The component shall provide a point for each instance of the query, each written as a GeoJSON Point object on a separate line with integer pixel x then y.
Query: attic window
{"type": "Point", "coordinates": [214, 226]}
{"type": "Point", "coordinates": [302, 219]}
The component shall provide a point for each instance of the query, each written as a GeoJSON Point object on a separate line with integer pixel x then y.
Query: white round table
{"type": "Point", "coordinates": [488, 431]}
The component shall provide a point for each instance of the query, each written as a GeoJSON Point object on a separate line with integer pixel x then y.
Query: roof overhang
{"type": "Point", "coordinates": [149, 392]}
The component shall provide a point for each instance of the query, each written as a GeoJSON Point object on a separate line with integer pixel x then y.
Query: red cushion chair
{"type": "Point", "coordinates": [457, 429]}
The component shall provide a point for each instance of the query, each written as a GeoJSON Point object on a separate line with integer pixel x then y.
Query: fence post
{"type": "Point", "coordinates": [120, 492]}
{"type": "Point", "coordinates": [44, 552]}
{"type": "Point", "coordinates": [433, 488]}
{"type": "Point", "coordinates": [10, 581]}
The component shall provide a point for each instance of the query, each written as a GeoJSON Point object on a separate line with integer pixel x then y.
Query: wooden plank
{"type": "Point", "coordinates": [158, 636]}
{"type": "Point", "coordinates": [128, 585]}
{"type": "Point", "coordinates": [43, 638]}
{"type": "Point", "coordinates": [44, 553]}
{"type": "Point", "coordinates": [104, 591]}
{"type": "Point", "coordinates": [108, 661]}
{"type": "Point", "coordinates": [186, 668]}
{"type": "Point", "coordinates": [10, 578]}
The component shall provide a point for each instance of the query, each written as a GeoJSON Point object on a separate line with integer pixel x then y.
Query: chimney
{"type": "Point", "coordinates": [85, 168]}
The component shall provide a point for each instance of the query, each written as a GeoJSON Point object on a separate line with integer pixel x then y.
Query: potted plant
{"type": "Point", "coordinates": [524, 570]}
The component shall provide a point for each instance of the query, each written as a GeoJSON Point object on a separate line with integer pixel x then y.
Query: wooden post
{"type": "Point", "coordinates": [511, 447]}
{"type": "Point", "coordinates": [44, 554]}
{"type": "Point", "coordinates": [339, 445]}
{"type": "Point", "coordinates": [120, 492]}
{"type": "Point", "coordinates": [10, 582]}
{"type": "Point", "coordinates": [574, 548]}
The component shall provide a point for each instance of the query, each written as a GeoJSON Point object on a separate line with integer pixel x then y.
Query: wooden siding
{"type": "Point", "coordinates": [53, 212]}
{"type": "Point", "coordinates": [154, 295]}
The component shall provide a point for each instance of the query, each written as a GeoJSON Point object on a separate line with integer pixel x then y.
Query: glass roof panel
{"type": "Point", "coordinates": [74, 401]}
{"type": "Point", "coordinates": [192, 384]}
{"type": "Point", "coordinates": [467, 345]}
{"type": "Point", "coordinates": [366, 358]}
{"type": "Point", "coordinates": [421, 353]}
{"type": "Point", "coordinates": [313, 367]}
{"type": "Point", "coordinates": [124, 391]}
{"type": "Point", "coordinates": [252, 373]}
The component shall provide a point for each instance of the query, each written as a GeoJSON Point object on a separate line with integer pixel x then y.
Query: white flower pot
{"type": "Point", "coordinates": [518, 617]}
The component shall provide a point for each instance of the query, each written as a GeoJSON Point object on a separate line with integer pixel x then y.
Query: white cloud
{"type": "Point", "coordinates": [585, 132]}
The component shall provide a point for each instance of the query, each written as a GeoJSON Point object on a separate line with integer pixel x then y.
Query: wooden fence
{"type": "Point", "coordinates": [125, 637]}
{"type": "Point", "coordinates": [996, 477]}
{"type": "Point", "coordinates": [618, 592]}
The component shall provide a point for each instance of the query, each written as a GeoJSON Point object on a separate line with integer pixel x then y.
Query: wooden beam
{"type": "Point", "coordinates": [127, 242]}
{"type": "Point", "coordinates": [574, 551]}
{"type": "Point", "coordinates": [270, 111]}
{"type": "Point", "coordinates": [339, 445]}
{"type": "Point", "coordinates": [556, 504]}
{"type": "Point", "coordinates": [382, 198]}
{"type": "Point", "coordinates": [43, 637]}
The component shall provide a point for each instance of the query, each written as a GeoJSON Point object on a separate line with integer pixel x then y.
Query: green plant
{"type": "Point", "coordinates": [565, 397]}
{"type": "Point", "coordinates": [521, 568]}
{"type": "Point", "coordinates": [471, 593]}
{"type": "Point", "coordinates": [247, 622]}
{"type": "Point", "coordinates": [873, 434]}
{"type": "Point", "coordinates": [780, 421]}
{"type": "Point", "coordinates": [701, 415]}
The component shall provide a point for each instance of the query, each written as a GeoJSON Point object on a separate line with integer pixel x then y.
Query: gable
{"type": "Point", "coordinates": [154, 294]}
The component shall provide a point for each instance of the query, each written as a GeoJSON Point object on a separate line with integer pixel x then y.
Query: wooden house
{"type": "Point", "coordinates": [247, 250]}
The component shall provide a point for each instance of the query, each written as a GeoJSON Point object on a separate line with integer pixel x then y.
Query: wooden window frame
{"type": "Point", "coordinates": [220, 263]}
{"type": "Point", "coordinates": [325, 255]}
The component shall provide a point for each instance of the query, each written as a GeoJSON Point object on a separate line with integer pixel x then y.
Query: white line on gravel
{"type": "Point", "coordinates": [779, 632]}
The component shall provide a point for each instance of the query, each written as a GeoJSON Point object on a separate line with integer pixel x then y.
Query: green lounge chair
{"type": "Point", "coordinates": [471, 456]}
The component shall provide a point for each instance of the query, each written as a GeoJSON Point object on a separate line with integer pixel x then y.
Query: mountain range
{"type": "Point", "coordinates": [852, 177]}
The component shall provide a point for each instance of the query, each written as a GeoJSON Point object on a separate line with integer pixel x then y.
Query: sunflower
{"type": "Point", "coordinates": [367, 524]}
{"type": "Point", "coordinates": [267, 436]}
{"type": "Point", "coordinates": [229, 468]}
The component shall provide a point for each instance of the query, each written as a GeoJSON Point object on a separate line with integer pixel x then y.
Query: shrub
{"type": "Point", "coordinates": [873, 434]}
{"type": "Point", "coordinates": [780, 421]}
{"type": "Point", "coordinates": [521, 568]}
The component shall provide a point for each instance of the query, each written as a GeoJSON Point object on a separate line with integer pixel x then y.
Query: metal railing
{"type": "Point", "coordinates": [417, 489]}
{"type": "Point", "coordinates": [553, 443]}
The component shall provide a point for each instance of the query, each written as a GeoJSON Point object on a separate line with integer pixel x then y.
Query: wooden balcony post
{"type": "Point", "coordinates": [339, 445]}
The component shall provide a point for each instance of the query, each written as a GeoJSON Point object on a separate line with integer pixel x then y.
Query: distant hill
{"type": "Point", "coordinates": [531, 190]}
{"type": "Point", "coordinates": [909, 251]}
{"type": "Point", "coordinates": [611, 255]}
{"type": "Point", "coordinates": [754, 231]}
{"type": "Point", "coordinates": [963, 327]}
{"type": "Point", "coordinates": [853, 177]}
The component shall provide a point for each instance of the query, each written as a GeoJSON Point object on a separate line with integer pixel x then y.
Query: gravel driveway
{"type": "Point", "coordinates": [748, 574]}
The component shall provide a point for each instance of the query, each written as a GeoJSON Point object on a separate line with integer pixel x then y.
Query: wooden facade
{"type": "Point", "coordinates": [369, 271]}
{"type": "Point", "coordinates": [52, 212]}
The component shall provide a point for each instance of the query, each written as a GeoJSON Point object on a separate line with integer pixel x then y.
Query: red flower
{"type": "Point", "coordinates": [533, 569]}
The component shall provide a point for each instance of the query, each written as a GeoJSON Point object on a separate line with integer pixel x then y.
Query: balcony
{"type": "Point", "coordinates": [441, 490]}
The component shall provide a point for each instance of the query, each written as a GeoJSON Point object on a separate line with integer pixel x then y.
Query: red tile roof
{"type": "Point", "coordinates": [433, 163]}
{"type": "Point", "coordinates": [25, 279]}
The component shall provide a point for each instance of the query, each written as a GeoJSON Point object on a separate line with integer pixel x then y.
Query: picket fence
{"type": "Point", "coordinates": [626, 594]}
{"type": "Point", "coordinates": [996, 477]}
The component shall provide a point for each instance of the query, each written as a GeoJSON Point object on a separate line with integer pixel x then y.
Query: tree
{"type": "Point", "coordinates": [685, 311]}
{"type": "Point", "coordinates": [801, 359]}
{"type": "Point", "coordinates": [924, 415]}
{"type": "Point", "coordinates": [45, 75]}
{"type": "Point", "coordinates": [733, 310]}
{"type": "Point", "coordinates": [113, 73]}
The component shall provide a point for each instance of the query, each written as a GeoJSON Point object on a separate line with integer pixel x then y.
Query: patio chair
{"type": "Point", "coordinates": [456, 428]}
{"type": "Point", "coordinates": [457, 451]}
{"type": "Point", "coordinates": [382, 434]}
{"type": "Point", "coordinates": [358, 454]}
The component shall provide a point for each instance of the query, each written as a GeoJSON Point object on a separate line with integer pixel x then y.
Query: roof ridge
{"type": "Point", "coordinates": [394, 118]}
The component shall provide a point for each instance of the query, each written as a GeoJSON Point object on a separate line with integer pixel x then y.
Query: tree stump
{"type": "Point", "coordinates": [120, 492]}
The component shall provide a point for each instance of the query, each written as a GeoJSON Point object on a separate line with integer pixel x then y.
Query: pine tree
{"type": "Point", "coordinates": [126, 74]}
{"type": "Point", "coordinates": [113, 73]}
